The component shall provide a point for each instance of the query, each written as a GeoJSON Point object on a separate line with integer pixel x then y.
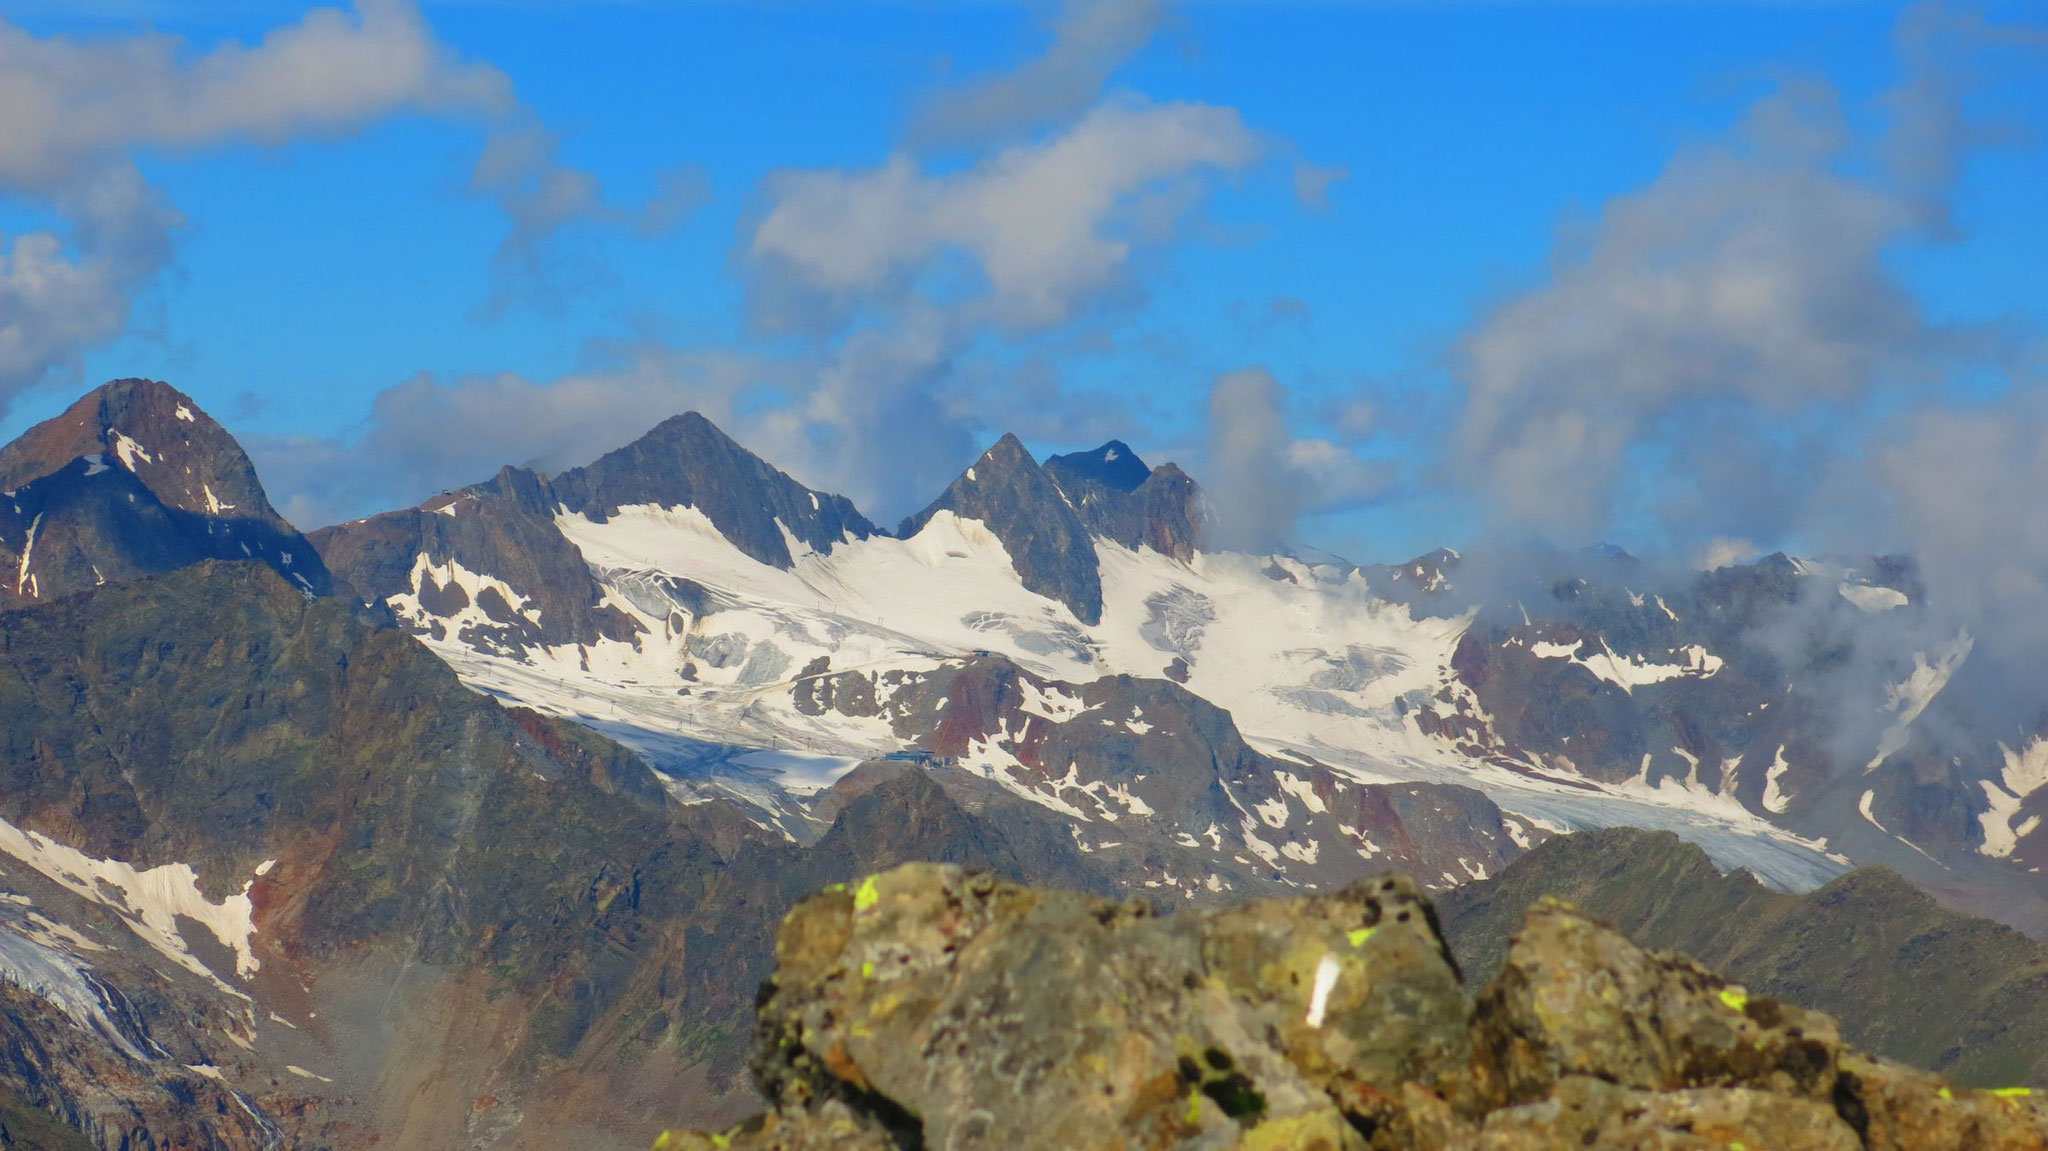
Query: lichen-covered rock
{"type": "Point", "coordinates": [1577, 998]}
{"type": "Point", "coordinates": [1898, 1109]}
{"type": "Point", "coordinates": [1586, 1112]}
{"type": "Point", "coordinates": [928, 1007]}
{"type": "Point", "coordinates": [831, 1127]}
{"type": "Point", "coordinates": [1391, 1010]}
{"type": "Point", "coordinates": [997, 1016]}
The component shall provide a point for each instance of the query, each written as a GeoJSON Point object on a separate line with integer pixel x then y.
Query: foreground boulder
{"type": "Point", "coordinates": [930, 1007]}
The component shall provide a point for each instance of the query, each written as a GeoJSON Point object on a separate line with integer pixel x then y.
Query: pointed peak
{"type": "Point", "coordinates": [1113, 465]}
{"type": "Point", "coordinates": [1049, 547]}
{"type": "Point", "coordinates": [142, 480]}
{"type": "Point", "coordinates": [1004, 459]}
{"type": "Point", "coordinates": [687, 428]}
{"type": "Point", "coordinates": [688, 461]}
{"type": "Point", "coordinates": [1009, 450]}
{"type": "Point", "coordinates": [156, 432]}
{"type": "Point", "coordinates": [693, 420]}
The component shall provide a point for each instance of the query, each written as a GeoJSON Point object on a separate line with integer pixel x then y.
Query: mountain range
{"type": "Point", "coordinates": [470, 824]}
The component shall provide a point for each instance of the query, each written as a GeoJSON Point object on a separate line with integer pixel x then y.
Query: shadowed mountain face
{"type": "Point", "coordinates": [1580, 689]}
{"type": "Point", "coordinates": [687, 462]}
{"type": "Point", "coordinates": [414, 866]}
{"type": "Point", "coordinates": [1171, 798]}
{"type": "Point", "coordinates": [457, 923]}
{"type": "Point", "coordinates": [135, 479]}
{"type": "Point", "coordinates": [485, 565]}
{"type": "Point", "coordinates": [1017, 500]}
{"type": "Point", "coordinates": [1119, 499]}
{"type": "Point", "coordinates": [1908, 979]}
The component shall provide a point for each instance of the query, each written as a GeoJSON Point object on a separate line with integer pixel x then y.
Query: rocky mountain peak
{"type": "Point", "coordinates": [1049, 546]}
{"type": "Point", "coordinates": [687, 461]}
{"type": "Point", "coordinates": [132, 479]}
{"type": "Point", "coordinates": [1120, 499]}
{"type": "Point", "coordinates": [1114, 465]}
{"type": "Point", "coordinates": [156, 433]}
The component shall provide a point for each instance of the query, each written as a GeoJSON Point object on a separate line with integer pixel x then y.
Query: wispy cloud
{"type": "Point", "coordinates": [1091, 39]}
{"type": "Point", "coordinates": [73, 113]}
{"type": "Point", "coordinates": [1261, 478]}
{"type": "Point", "coordinates": [76, 113]}
{"type": "Point", "coordinates": [910, 302]}
{"type": "Point", "coordinates": [1046, 227]}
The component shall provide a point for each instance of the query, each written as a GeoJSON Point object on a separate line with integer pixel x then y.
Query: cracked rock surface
{"type": "Point", "coordinates": [928, 1007]}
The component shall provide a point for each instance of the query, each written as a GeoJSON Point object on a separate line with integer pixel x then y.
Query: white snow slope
{"type": "Point", "coordinates": [1306, 658]}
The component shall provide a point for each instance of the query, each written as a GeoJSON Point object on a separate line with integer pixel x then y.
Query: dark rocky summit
{"type": "Point", "coordinates": [503, 532]}
{"type": "Point", "coordinates": [131, 480]}
{"type": "Point", "coordinates": [1048, 544]}
{"type": "Point", "coordinates": [686, 461]}
{"type": "Point", "coordinates": [931, 1007]}
{"type": "Point", "coordinates": [1120, 499]}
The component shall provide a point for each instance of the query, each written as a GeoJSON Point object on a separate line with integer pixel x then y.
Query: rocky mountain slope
{"type": "Point", "coordinates": [927, 1007]}
{"type": "Point", "coordinates": [273, 876]}
{"type": "Point", "coordinates": [272, 872]}
{"type": "Point", "coordinates": [1908, 979]}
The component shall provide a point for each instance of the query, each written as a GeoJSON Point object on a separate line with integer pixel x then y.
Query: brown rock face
{"type": "Point", "coordinates": [132, 480]}
{"type": "Point", "coordinates": [931, 1007]}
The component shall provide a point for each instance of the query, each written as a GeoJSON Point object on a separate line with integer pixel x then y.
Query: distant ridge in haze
{"type": "Point", "coordinates": [1907, 978]}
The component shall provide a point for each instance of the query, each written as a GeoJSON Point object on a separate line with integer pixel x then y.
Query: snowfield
{"type": "Point", "coordinates": [1306, 657]}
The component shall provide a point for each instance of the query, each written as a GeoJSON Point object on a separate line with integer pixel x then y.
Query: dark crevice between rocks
{"type": "Point", "coordinates": [905, 1129]}
{"type": "Point", "coordinates": [1848, 1101]}
{"type": "Point", "coordinates": [1217, 1076]}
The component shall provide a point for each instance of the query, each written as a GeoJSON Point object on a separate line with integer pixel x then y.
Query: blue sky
{"type": "Point", "coordinates": [1375, 365]}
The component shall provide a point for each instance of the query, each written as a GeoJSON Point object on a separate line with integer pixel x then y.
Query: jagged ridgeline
{"type": "Point", "coordinates": [472, 824]}
{"type": "Point", "coordinates": [926, 1007]}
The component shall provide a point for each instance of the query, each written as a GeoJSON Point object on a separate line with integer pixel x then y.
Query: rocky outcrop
{"type": "Point", "coordinates": [931, 1007]}
{"type": "Point", "coordinates": [485, 566]}
{"type": "Point", "coordinates": [1162, 788]}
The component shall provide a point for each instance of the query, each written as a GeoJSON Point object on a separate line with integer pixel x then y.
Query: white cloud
{"type": "Point", "coordinates": [1259, 478]}
{"type": "Point", "coordinates": [1750, 271]}
{"type": "Point", "coordinates": [1038, 222]}
{"type": "Point", "coordinates": [1723, 551]}
{"type": "Point", "coordinates": [1710, 329]}
{"type": "Point", "coordinates": [521, 169]}
{"type": "Point", "coordinates": [72, 113]}
{"type": "Point", "coordinates": [1312, 183]}
{"type": "Point", "coordinates": [425, 434]}
{"type": "Point", "coordinates": [54, 302]}
{"type": "Point", "coordinates": [69, 104]}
